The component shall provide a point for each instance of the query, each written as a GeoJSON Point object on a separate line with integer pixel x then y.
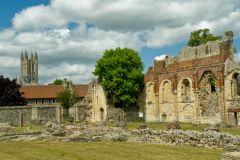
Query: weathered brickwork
{"type": "Point", "coordinates": [194, 86]}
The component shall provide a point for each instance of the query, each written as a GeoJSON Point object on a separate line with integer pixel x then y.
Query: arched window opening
{"type": "Point", "coordinates": [185, 92]}
{"type": "Point", "coordinates": [236, 85]}
{"type": "Point", "coordinates": [150, 93]}
{"type": "Point", "coordinates": [101, 114]}
{"type": "Point", "coordinates": [166, 90]}
{"type": "Point", "coordinates": [213, 85]}
{"type": "Point", "coordinates": [208, 96]}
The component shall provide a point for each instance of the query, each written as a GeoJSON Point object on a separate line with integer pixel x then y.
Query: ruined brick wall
{"type": "Point", "coordinates": [192, 64]}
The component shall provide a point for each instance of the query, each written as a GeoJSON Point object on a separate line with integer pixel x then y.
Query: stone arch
{"type": "Point", "coordinates": [235, 85]}
{"type": "Point", "coordinates": [165, 92]}
{"type": "Point", "coordinates": [208, 82]}
{"type": "Point", "coordinates": [208, 96]}
{"type": "Point", "coordinates": [150, 92]}
{"type": "Point", "coordinates": [231, 85]}
{"type": "Point", "coordinates": [184, 90]}
{"type": "Point", "coordinates": [102, 114]}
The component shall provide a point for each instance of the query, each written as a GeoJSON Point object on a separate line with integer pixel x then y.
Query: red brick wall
{"type": "Point", "coordinates": [193, 69]}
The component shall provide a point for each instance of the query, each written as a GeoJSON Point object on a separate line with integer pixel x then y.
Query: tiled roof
{"type": "Point", "coordinates": [80, 90]}
{"type": "Point", "coordinates": [50, 91]}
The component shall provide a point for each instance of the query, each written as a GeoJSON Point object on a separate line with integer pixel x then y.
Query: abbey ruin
{"type": "Point", "coordinates": [200, 85]}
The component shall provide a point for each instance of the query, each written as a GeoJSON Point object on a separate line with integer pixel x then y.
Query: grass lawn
{"type": "Point", "coordinates": [102, 150]}
{"type": "Point", "coordinates": [184, 126]}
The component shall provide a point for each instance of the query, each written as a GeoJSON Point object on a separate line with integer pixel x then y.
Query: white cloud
{"type": "Point", "coordinates": [72, 51]}
{"type": "Point", "coordinates": [138, 14]}
{"type": "Point", "coordinates": [37, 17]}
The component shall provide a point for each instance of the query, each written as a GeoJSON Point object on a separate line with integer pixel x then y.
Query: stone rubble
{"type": "Point", "coordinates": [85, 133]}
{"type": "Point", "coordinates": [6, 127]}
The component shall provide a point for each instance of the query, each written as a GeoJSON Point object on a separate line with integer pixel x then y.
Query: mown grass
{"type": "Point", "coordinates": [102, 150]}
{"type": "Point", "coordinates": [20, 130]}
{"type": "Point", "coordinates": [184, 126]}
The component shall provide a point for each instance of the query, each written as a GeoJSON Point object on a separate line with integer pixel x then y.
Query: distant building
{"type": "Point", "coordinates": [47, 94]}
{"type": "Point", "coordinates": [29, 68]}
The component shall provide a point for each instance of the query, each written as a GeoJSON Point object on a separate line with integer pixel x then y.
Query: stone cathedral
{"type": "Point", "coordinates": [29, 68]}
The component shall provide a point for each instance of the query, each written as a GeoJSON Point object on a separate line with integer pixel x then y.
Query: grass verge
{"type": "Point", "coordinates": [102, 150]}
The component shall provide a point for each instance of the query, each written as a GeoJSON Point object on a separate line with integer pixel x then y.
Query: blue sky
{"type": "Point", "coordinates": [8, 9]}
{"type": "Point", "coordinates": [71, 35]}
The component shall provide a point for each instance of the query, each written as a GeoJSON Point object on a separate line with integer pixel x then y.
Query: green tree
{"type": "Point", "coordinates": [9, 93]}
{"type": "Point", "coordinates": [58, 82]}
{"type": "Point", "coordinates": [66, 99]}
{"type": "Point", "coordinates": [201, 36]}
{"type": "Point", "coordinates": [119, 71]}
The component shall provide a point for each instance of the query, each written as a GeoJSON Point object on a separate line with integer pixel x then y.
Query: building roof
{"type": "Point", "coordinates": [50, 91]}
{"type": "Point", "coordinates": [80, 90]}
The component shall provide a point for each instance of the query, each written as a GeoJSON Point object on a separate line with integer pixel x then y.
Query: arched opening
{"type": "Point", "coordinates": [185, 90]}
{"type": "Point", "coordinates": [212, 84]}
{"type": "Point", "coordinates": [101, 114]}
{"type": "Point", "coordinates": [164, 117]}
{"type": "Point", "coordinates": [166, 92]}
{"type": "Point", "coordinates": [208, 96]}
{"type": "Point", "coordinates": [208, 83]}
{"type": "Point", "coordinates": [235, 85]}
{"type": "Point", "coordinates": [150, 93]}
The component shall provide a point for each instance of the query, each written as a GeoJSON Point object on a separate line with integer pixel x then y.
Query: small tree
{"type": "Point", "coordinates": [9, 93]}
{"type": "Point", "coordinates": [58, 82]}
{"type": "Point", "coordinates": [201, 36]}
{"type": "Point", "coordinates": [120, 73]}
{"type": "Point", "coordinates": [66, 99]}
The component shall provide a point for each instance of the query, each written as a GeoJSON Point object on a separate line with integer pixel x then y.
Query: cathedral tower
{"type": "Point", "coordinates": [29, 68]}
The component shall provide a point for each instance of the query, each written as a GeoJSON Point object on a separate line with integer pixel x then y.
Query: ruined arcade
{"type": "Point", "coordinates": [199, 85]}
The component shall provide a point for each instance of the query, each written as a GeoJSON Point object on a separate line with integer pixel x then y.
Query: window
{"type": "Point", "coordinates": [166, 91]}
{"type": "Point", "coordinates": [185, 92]}
{"type": "Point", "coordinates": [101, 114]}
{"type": "Point", "coordinates": [213, 84]}
{"type": "Point", "coordinates": [236, 85]}
{"type": "Point", "coordinates": [150, 93]}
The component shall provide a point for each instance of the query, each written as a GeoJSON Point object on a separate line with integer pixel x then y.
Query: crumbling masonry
{"type": "Point", "coordinates": [200, 85]}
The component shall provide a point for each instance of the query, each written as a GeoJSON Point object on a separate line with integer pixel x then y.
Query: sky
{"type": "Point", "coordinates": [70, 35]}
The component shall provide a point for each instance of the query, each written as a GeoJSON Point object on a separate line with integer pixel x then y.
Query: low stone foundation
{"type": "Point", "coordinates": [231, 156]}
{"type": "Point", "coordinates": [85, 133]}
{"type": "Point", "coordinates": [209, 139]}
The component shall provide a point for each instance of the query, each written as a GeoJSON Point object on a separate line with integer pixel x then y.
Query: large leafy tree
{"type": "Point", "coordinates": [9, 93]}
{"type": "Point", "coordinates": [120, 73]}
{"type": "Point", "coordinates": [201, 36]}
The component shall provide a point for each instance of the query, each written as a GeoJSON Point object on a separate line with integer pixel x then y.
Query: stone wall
{"type": "Point", "coordinates": [47, 112]}
{"type": "Point", "coordinates": [13, 114]}
{"type": "Point", "coordinates": [206, 50]}
{"type": "Point", "coordinates": [99, 102]}
{"type": "Point", "coordinates": [116, 117]}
